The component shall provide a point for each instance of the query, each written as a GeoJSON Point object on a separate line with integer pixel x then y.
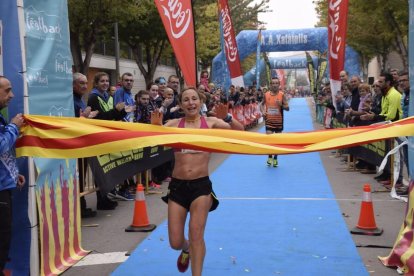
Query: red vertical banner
{"type": "Point", "coordinates": [230, 44]}
{"type": "Point", "coordinates": [337, 24]}
{"type": "Point", "coordinates": [177, 17]}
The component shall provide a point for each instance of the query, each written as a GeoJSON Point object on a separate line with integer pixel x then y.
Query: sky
{"type": "Point", "coordinates": [289, 14]}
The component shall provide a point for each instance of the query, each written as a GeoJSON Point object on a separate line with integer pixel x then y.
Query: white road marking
{"type": "Point", "coordinates": [103, 258]}
{"type": "Point", "coordinates": [301, 198]}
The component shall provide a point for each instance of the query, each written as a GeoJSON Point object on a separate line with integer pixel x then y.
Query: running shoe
{"type": "Point", "coordinates": [112, 194]}
{"type": "Point", "coordinates": [154, 185]}
{"type": "Point", "coordinates": [124, 195]}
{"type": "Point", "coordinates": [183, 261]}
{"type": "Point", "coordinates": [402, 191]}
{"type": "Point", "coordinates": [275, 163]}
{"type": "Point", "coordinates": [269, 161]}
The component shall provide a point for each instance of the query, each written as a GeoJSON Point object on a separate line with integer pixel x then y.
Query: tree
{"type": "Point", "coordinates": [89, 20]}
{"type": "Point", "coordinates": [141, 28]}
{"type": "Point", "coordinates": [144, 33]}
{"type": "Point", "coordinates": [207, 33]}
{"type": "Point", "coordinates": [244, 15]}
{"type": "Point", "coordinates": [375, 28]}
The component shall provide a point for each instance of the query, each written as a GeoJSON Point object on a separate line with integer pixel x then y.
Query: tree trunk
{"type": "Point", "coordinates": [76, 51]}
{"type": "Point", "coordinates": [364, 66]}
{"type": "Point", "coordinates": [137, 51]}
{"type": "Point", "coordinates": [404, 56]}
{"type": "Point", "coordinates": [88, 57]}
{"type": "Point", "coordinates": [152, 59]}
{"type": "Point", "coordinates": [157, 52]}
{"type": "Point", "coordinates": [179, 75]}
{"type": "Point", "coordinates": [384, 60]}
{"type": "Point", "coordinates": [399, 44]}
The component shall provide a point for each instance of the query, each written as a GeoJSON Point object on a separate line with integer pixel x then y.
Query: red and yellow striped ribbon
{"type": "Point", "coordinates": [62, 137]}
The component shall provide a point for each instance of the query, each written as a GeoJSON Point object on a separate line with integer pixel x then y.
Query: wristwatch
{"type": "Point", "coordinates": [228, 119]}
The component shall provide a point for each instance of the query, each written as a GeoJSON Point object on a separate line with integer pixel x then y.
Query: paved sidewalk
{"type": "Point", "coordinates": [389, 212]}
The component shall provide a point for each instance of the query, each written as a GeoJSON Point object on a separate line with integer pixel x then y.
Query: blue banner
{"type": "Point", "coordinates": [49, 84]}
{"type": "Point", "coordinates": [11, 68]}
{"type": "Point", "coordinates": [48, 57]}
{"type": "Point", "coordinates": [49, 66]}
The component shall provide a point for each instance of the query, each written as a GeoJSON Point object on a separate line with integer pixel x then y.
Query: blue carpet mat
{"type": "Point", "coordinates": [270, 221]}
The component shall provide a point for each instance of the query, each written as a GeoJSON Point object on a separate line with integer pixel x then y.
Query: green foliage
{"type": "Point", "coordinates": [141, 22]}
{"type": "Point", "coordinates": [207, 33]}
{"type": "Point", "coordinates": [141, 28]}
{"type": "Point", "coordinates": [144, 32]}
{"type": "Point", "coordinates": [375, 27]}
{"type": "Point", "coordinates": [244, 15]}
{"type": "Point", "coordinates": [89, 21]}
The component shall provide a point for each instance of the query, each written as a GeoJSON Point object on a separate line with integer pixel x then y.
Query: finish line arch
{"type": "Point", "coordinates": [289, 62]}
{"type": "Point", "coordinates": [311, 39]}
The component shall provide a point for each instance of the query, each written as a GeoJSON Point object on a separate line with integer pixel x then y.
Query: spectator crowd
{"type": "Point", "coordinates": [358, 103]}
{"type": "Point", "coordinates": [119, 102]}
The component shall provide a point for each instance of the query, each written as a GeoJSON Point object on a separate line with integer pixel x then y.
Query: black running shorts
{"type": "Point", "coordinates": [184, 192]}
{"type": "Point", "coordinates": [273, 130]}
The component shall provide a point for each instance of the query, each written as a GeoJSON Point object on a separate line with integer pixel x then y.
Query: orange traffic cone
{"type": "Point", "coordinates": [140, 222]}
{"type": "Point", "coordinates": [366, 223]}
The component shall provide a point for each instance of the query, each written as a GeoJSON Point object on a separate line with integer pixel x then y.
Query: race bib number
{"type": "Point", "coordinates": [273, 111]}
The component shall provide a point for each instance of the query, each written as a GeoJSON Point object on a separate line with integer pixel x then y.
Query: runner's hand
{"type": "Point", "coordinates": [156, 117]}
{"type": "Point", "coordinates": [221, 110]}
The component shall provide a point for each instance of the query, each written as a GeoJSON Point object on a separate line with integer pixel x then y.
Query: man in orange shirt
{"type": "Point", "coordinates": [272, 107]}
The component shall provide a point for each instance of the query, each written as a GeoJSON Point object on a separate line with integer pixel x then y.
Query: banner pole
{"type": "Point", "coordinates": [195, 41]}
{"type": "Point", "coordinates": [32, 209]}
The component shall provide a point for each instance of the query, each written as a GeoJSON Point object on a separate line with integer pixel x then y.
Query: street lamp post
{"type": "Point", "coordinates": [116, 51]}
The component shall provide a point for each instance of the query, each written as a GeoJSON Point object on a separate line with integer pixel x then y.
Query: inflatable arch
{"type": "Point", "coordinates": [312, 39]}
{"type": "Point", "coordinates": [290, 62]}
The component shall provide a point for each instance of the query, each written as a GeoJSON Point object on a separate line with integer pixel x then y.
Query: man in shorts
{"type": "Point", "coordinates": [272, 107]}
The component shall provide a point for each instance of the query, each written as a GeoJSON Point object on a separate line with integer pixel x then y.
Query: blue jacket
{"type": "Point", "coordinates": [405, 103]}
{"type": "Point", "coordinates": [78, 104]}
{"type": "Point", "coordinates": [123, 95]}
{"type": "Point", "coordinates": [8, 168]}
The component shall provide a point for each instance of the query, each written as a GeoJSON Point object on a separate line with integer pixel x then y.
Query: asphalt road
{"type": "Point", "coordinates": [105, 233]}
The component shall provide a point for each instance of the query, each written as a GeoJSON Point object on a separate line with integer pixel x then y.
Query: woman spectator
{"type": "Point", "coordinates": [100, 100]}
{"type": "Point", "coordinates": [204, 80]}
{"type": "Point", "coordinates": [155, 99]}
{"type": "Point", "coordinates": [364, 105]}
